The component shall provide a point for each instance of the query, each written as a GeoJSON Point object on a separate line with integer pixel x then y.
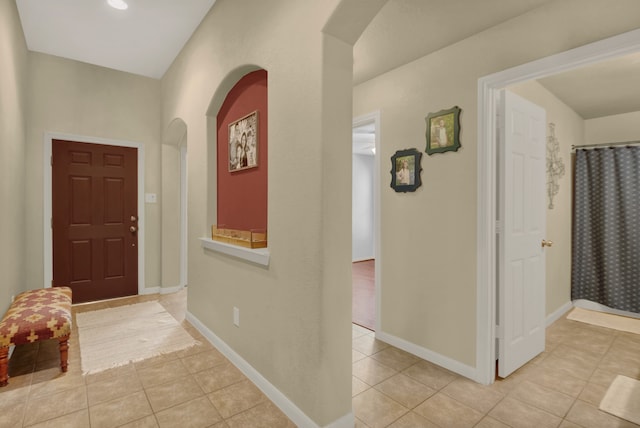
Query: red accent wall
{"type": "Point", "coordinates": [242, 195]}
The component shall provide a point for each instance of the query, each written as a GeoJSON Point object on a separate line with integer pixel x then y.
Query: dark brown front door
{"type": "Point", "coordinates": [95, 219]}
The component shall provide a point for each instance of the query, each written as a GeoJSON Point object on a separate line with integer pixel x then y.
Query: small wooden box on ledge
{"type": "Point", "coordinates": [242, 238]}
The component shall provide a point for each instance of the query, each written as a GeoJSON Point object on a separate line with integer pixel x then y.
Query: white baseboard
{"type": "Point", "coordinates": [428, 355]}
{"type": "Point", "coordinates": [150, 290]}
{"type": "Point", "coordinates": [558, 313]}
{"type": "Point", "coordinates": [347, 421]}
{"type": "Point", "coordinates": [169, 290]}
{"type": "Point", "coordinates": [593, 306]}
{"type": "Point", "coordinates": [278, 398]}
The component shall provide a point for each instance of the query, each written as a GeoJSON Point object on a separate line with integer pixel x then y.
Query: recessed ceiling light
{"type": "Point", "coordinates": [118, 4]}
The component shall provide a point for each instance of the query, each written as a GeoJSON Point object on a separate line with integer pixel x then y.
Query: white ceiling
{"type": "Point", "coordinates": [427, 26]}
{"type": "Point", "coordinates": [144, 39]}
{"type": "Point", "coordinates": [603, 89]}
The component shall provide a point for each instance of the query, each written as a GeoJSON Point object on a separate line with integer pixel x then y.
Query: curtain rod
{"type": "Point", "coordinates": [605, 145]}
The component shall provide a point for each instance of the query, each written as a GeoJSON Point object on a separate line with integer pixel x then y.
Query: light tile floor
{"type": "Point", "coordinates": [562, 387]}
{"type": "Point", "coordinates": [198, 387]}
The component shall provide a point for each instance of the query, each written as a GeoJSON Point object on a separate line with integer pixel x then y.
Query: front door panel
{"type": "Point", "coordinates": [95, 243]}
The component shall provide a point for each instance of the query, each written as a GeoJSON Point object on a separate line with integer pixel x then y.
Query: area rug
{"type": "Point", "coordinates": [616, 322]}
{"type": "Point", "coordinates": [623, 399]}
{"type": "Point", "coordinates": [116, 336]}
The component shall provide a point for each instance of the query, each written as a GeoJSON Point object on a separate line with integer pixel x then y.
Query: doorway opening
{"type": "Point", "coordinates": [365, 173]}
{"type": "Point", "coordinates": [489, 162]}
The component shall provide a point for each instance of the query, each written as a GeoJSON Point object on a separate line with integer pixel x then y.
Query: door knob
{"type": "Point", "coordinates": [133, 218]}
{"type": "Point", "coordinates": [132, 229]}
{"type": "Point", "coordinates": [546, 243]}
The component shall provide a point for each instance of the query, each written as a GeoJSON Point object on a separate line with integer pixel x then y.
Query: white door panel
{"type": "Point", "coordinates": [521, 270]}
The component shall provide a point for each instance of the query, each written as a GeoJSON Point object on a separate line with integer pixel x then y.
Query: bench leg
{"type": "Point", "coordinates": [4, 364]}
{"type": "Point", "coordinates": [64, 352]}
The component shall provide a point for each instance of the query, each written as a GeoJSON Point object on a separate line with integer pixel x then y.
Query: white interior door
{"type": "Point", "coordinates": [521, 271]}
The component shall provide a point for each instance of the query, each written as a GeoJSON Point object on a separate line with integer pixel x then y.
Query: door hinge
{"type": "Point", "coordinates": [51, 160]}
{"type": "Point", "coordinates": [498, 227]}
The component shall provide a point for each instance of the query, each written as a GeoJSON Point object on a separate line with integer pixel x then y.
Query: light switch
{"type": "Point", "coordinates": [150, 198]}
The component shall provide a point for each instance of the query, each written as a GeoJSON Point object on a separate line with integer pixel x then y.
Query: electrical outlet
{"type": "Point", "coordinates": [236, 316]}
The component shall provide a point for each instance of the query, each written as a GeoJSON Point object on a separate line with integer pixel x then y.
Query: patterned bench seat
{"type": "Point", "coordinates": [33, 316]}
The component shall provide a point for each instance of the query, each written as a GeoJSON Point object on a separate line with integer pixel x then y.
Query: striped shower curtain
{"type": "Point", "coordinates": [606, 227]}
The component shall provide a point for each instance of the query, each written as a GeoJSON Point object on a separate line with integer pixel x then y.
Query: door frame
{"type": "Point", "coordinates": [488, 97]}
{"type": "Point", "coordinates": [366, 119]}
{"type": "Point", "coordinates": [47, 196]}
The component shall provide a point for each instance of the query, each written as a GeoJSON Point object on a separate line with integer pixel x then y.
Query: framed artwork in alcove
{"type": "Point", "coordinates": [243, 143]}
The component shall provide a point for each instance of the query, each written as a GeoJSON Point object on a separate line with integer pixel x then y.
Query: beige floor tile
{"type": "Point", "coordinates": [219, 377]}
{"type": "Point", "coordinates": [122, 371]}
{"type": "Point", "coordinates": [359, 424]}
{"type": "Point", "coordinates": [162, 373]}
{"type": "Point", "coordinates": [376, 409]}
{"type": "Point", "coordinates": [431, 375]}
{"type": "Point", "coordinates": [156, 361]}
{"type": "Point", "coordinates": [173, 392]}
{"type": "Point", "coordinates": [447, 412]}
{"type": "Point", "coordinates": [623, 363]}
{"type": "Point", "coordinates": [201, 346]}
{"type": "Point", "coordinates": [480, 397]}
{"type": "Point", "coordinates": [371, 371]}
{"type": "Point", "coordinates": [543, 398]}
{"type": "Point", "coordinates": [356, 356]}
{"type": "Point", "coordinates": [566, 424]}
{"type": "Point", "coordinates": [11, 413]}
{"type": "Point", "coordinates": [265, 415]}
{"type": "Point", "coordinates": [120, 411]}
{"type": "Point", "coordinates": [521, 415]}
{"type": "Point", "coordinates": [489, 422]}
{"type": "Point", "coordinates": [570, 366]}
{"type": "Point", "coordinates": [603, 377]}
{"type": "Point", "coordinates": [17, 390]}
{"type": "Point", "coordinates": [589, 416]}
{"type": "Point", "coordinates": [146, 422]}
{"type": "Point", "coordinates": [78, 419]}
{"type": "Point", "coordinates": [236, 398]}
{"type": "Point", "coordinates": [51, 381]}
{"type": "Point", "coordinates": [405, 390]}
{"type": "Point", "coordinates": [198, 413]}
{"type": "Point", "coordinates": [55, 405]}
{"type": "Point", "coordinates": [203, 360]}
{"type": "Point", "coordinates": [368, 345]}
{"type": "Point", "coordinates": [357, 386]}
{"type": "Point", "coordinates": [395, 358]}
{"type": "Point", "coordinates": [558, 380]}
{"type": "Point", "coordinates": [111, 388]}
{"type": "Point", "coordinates": [412, 420]}
{"type": "Point", "coordinates": [593, 393]}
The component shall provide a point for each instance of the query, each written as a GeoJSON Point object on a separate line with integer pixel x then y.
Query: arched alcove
{"type": "Point", "coordinates": [239, 200]}
{"type": "Point", "coordinates": [173, 198]}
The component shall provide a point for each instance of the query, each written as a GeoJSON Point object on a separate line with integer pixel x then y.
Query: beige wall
{"type": "Point", "coordinates": [428, 238]}
{"type": "Point", "coordinates": [71, 97]}
{"type": "Point", "coordinates": [295, 313]}
{"type": "Point", "coordinates": [613, 129]}
{"type": "Point", "coordinates": [13, 85]}
{"type": "Point", "coordinates": [569, 130]}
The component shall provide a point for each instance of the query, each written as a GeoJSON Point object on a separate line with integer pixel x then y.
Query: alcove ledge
{"type": "Point", "coordinates": [255, 255]}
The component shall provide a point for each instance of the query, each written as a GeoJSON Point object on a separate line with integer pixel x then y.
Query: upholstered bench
{"type": "Point", "coordinates": [33, 316]}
